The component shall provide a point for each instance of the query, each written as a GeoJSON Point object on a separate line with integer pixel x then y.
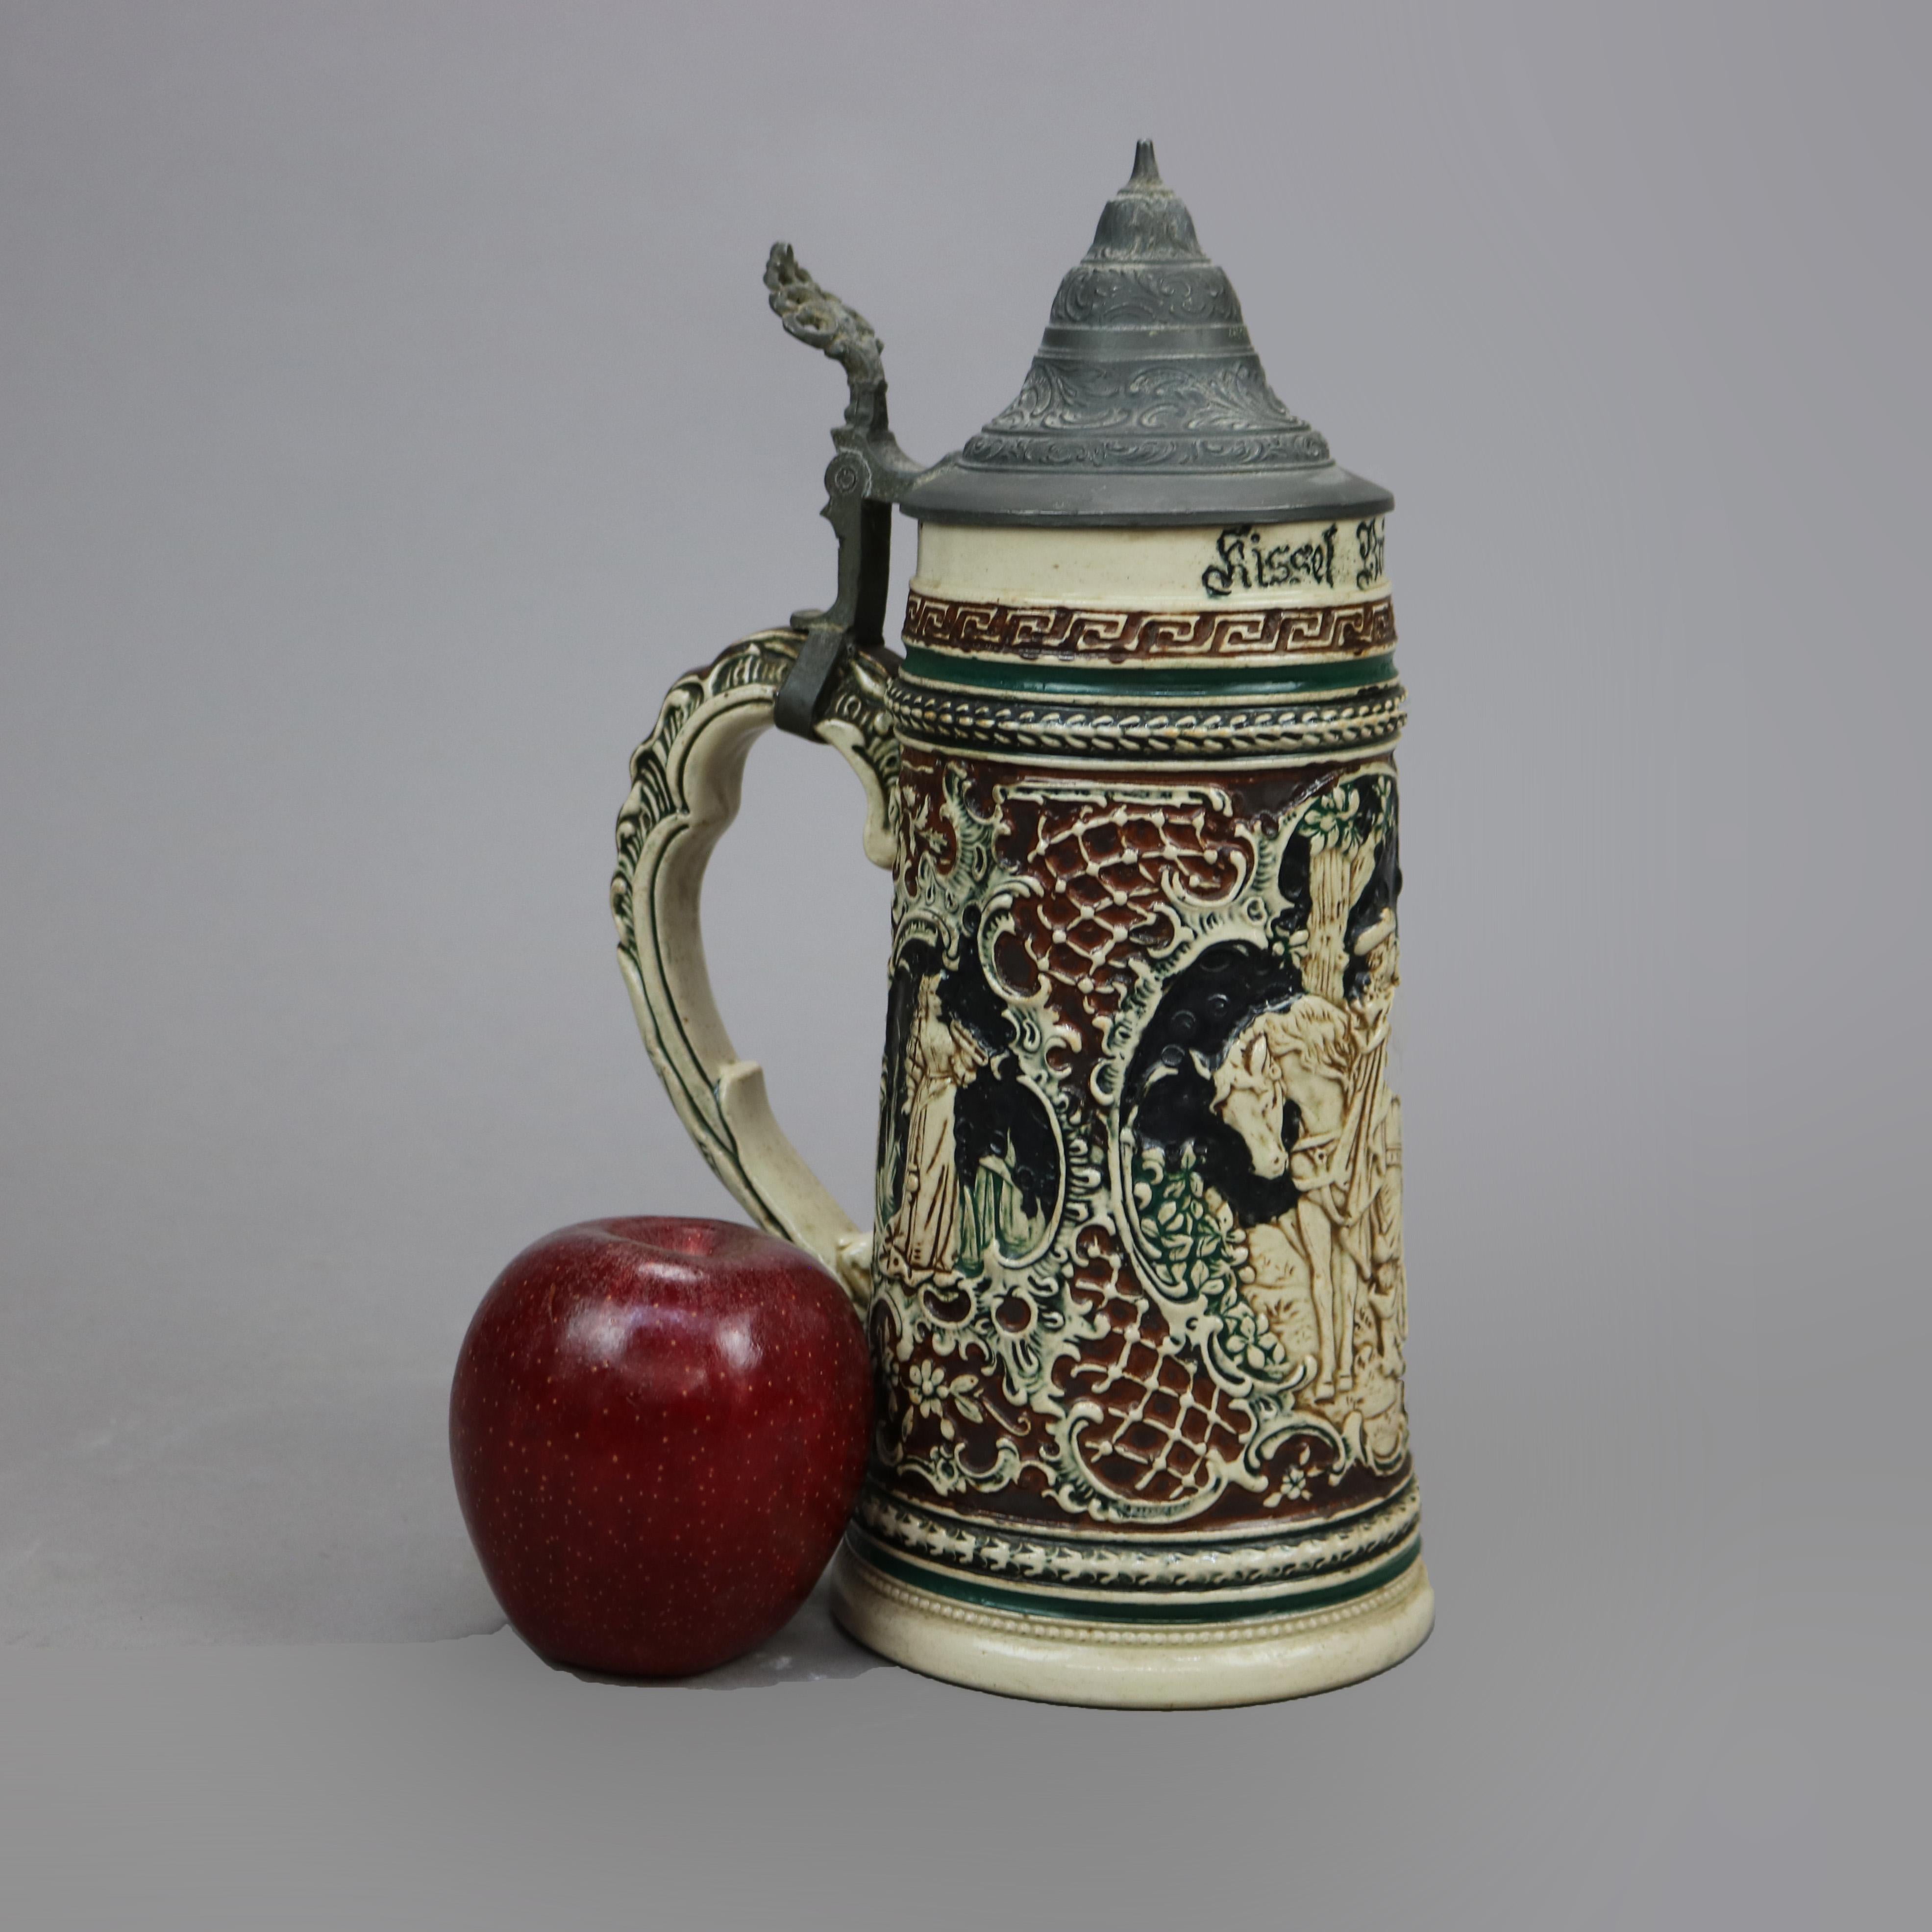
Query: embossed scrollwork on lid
{"type": "Point", "coordinates": [1146, 402]}
{"type": "Point", "coordinates": [1134, 295]}
{"type": "Point", "coordinates": [1150, 452]}
{"type": "Point", "coordinates": [1168, 397]}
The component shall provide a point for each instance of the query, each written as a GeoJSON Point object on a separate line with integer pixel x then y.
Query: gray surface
{"type": "Point", "coordinates": [366, 381]}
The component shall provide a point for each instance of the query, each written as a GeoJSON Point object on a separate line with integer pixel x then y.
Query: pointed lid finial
{"type": "Point", "coordinates": [1146, 403]}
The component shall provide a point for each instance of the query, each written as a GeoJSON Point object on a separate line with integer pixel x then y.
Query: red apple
{"type": "Point", "coordinates": [658, 1427]}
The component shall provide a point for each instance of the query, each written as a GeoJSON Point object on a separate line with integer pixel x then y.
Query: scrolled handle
{"type": "Point", "coordinates": [685, 784]}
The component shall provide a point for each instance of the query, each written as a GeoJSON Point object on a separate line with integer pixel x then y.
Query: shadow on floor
{"type": "Point", "coordinates": [810, 1648]}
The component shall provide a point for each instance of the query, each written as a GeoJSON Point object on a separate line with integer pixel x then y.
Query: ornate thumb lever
{"type": "Point", "coordinates": [868, 475]}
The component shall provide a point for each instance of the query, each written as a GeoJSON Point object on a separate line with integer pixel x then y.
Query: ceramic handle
{"type": "Point", "coordinates": [686, 780]}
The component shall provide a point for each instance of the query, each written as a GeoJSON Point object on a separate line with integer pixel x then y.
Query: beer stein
{"type": "Point", "coordinates": [1134, 1287]}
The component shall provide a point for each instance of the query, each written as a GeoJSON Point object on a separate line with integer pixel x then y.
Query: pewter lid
{"type": "Point", "coordinates": [1147, 402]}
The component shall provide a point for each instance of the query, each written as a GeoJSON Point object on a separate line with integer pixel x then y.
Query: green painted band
{"type": "Point", "coordinates": [1209, 1609]}
{"type": "Point", "coordinates": [991, 673]}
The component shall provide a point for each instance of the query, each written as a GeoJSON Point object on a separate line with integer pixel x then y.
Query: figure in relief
{"type": "Point", "coordinates": [1388, 1298]}
{"type": "Point", "coordinates": [1329, 1055]}
{"type": "Point", "coordinates": [1262, 1185]}
{"type": "Point", "coordinates": [942, 1057]}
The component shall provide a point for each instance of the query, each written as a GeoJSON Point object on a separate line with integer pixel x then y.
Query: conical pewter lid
{"type": "Point", "coordinates": [1146, 403]}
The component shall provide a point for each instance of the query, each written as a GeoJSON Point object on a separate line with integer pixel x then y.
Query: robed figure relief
{"type": "Point", "coordinates": [1329, 1057]}
{"type": "Point", "coordinates": [1267, 1143]}
{"type": "Point", "coordinates": [941, 1058]}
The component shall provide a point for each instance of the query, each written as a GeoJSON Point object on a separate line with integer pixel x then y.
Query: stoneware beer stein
{"type": "Point", "coordinates": [1134, 1285]}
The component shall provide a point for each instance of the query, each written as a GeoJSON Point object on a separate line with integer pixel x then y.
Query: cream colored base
{"type": "Point", "coordinates": [1146, 1667]}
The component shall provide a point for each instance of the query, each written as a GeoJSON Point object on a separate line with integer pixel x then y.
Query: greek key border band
{"type": "Point", "coordinates": [1033, 631]}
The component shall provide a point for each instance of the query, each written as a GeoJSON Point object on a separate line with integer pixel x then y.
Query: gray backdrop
{"type": "Point", "coordinates": [389, 409]}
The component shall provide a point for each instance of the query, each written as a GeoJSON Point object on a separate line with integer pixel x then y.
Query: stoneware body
{"type": "Point", "coordinates": [1134, 1287]}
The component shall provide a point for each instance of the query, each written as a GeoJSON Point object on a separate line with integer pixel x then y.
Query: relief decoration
{"type": "Point", "coordinates": [1139, 1248]}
